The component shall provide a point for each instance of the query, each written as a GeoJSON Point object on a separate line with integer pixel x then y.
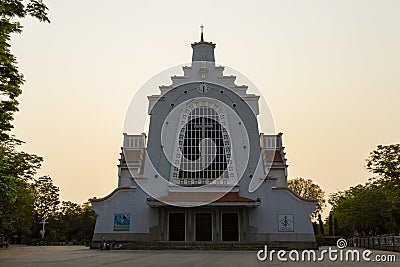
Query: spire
{"type": "Point", "coordinates": [203, 51]}
{"type": "Point", "coordinates": [202, 37]}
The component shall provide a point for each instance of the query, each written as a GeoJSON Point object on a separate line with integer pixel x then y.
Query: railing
{"type": "Point", "coordinates": [134, 141]}
{"type": "Point", "coordinates": [271, 141]}
{"type": "Point", "coordinates": [391, 243]}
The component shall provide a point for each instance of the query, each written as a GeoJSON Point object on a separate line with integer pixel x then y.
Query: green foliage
{"type": "Point", "coordinates": [16, 171]}
{"type": "Point", "coordinates": [363, 209]}
{"type": "Point", "coordinates": [11, 79]}
{"type": "Point", "coordinates": [18, 217]}
{"type": "Point", "coordinates": [17, 164]}
{"type": "Point", "coordinates": [16, 168]}
{"type": "Point", "coordinates": [385, 162]}
{"type": "Point", "coordinates": [320, 238]}
{"type": "Point", "coordinates": [330, 225]}
{"type": "Point", "coordinates": [82, 224]}
{"type": "Point", "coordinates": [47, 197]}
{"type": "Point", "coordinates": [372, 208]}
{"type": "Point", "coordinates": [307, 189]}
{"type": "Point", "coordinates": [321, 225]}
{"type": "Point", "coordinates": [336, 229]}
{"type": "Point", "coordinates": [72, 222]}
{"type": "Point", "coordinates": [24, 200]}
{"type": "Point", "coordinates": [67, 221]}
{"type": "Point", "coordinates": [315, 226]}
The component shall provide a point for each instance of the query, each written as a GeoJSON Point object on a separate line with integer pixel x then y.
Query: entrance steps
{"type": "Point", "coordinates": [169, 245]}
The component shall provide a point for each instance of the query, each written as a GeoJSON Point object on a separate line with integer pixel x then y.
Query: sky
{"type": "Point", "coordinates": [329, 70]}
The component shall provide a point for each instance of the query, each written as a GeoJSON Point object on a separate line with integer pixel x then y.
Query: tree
{"type": "Point", "coordinates": [372, 208]}
{"type": "Point", "coordinates": [72, 222]}
{"type": "Point", "coordinates": [15, 167]}
{"type": "Point", "coordinates": [336, 229]}
{"type": "Point", "coordinates": [16, 171]}
{"type": "Point", "coordinates": [82, 227]}
{"type": "Point", "coordinates": [46, 197]}
{"type": "Point", "coordinates": [307, 189]}
{"type": "Point", "coordinates": [321, 225]}
{"type": "Point", "coordinates": [330, 225]}
{"type": "Point", "coordinates": [11, 79]}
{"type": "Point", "coordinates": [385, 162]}
{"type": "Point", "coordinates": [363, 209]}
{"type": "Point", "coordinates": [17, 218]}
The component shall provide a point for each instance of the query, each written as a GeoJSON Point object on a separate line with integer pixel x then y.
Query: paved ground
{"type": "Point", "coordinates": [82, 256]}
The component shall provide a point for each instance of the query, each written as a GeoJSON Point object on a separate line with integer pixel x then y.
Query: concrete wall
{"type": "Point", "coordinates": [133, 201]}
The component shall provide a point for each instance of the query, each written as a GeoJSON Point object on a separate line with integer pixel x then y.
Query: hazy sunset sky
{"type": "Point", "coordinates": [330, 71]}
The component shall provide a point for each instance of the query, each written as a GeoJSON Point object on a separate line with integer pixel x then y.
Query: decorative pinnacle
{"type": "Point", "coordinates": [202, 37]}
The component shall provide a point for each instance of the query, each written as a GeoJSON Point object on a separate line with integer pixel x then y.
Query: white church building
{"type": "Point", "coordinates": [204, 174]}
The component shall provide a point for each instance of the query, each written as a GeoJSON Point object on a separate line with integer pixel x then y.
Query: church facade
{"type": "Point", "coordinates": [203, 173]}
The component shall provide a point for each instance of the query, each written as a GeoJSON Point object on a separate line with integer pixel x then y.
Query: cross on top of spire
{"type": "Point", "coordinates": [202, 29]}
